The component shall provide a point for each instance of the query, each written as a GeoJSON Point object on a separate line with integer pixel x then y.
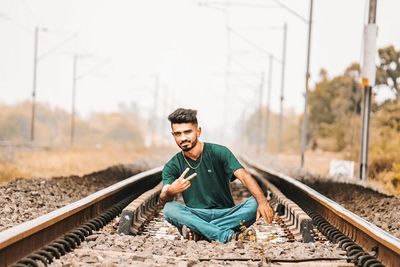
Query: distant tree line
{"type": "Point", "coordinates": [335, 106]}
{"type": "Point", "coordinates": [53, 125]}
{"type": "Point", "coordinates": [335, 117]}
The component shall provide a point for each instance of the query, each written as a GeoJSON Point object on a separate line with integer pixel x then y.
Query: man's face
{"type": "Point", "coordinates": [186, 135]}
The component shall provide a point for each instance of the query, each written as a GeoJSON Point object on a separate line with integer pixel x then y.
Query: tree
{"type": "Point", "coordinates": [388, 71]}
{"type": "Point", "coordinates": [385, 143]}
{"type": "Point", "coordinates": [333, 104]}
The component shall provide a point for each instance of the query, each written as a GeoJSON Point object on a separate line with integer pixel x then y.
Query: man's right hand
{"type": "Point", "coordinates": [181, 184]}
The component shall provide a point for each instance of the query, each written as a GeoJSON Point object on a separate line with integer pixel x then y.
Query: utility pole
{"type": "Point", "coordinates": [260, 124]}
{"type": "Point", "coordinates": [154, 119]}
{"type": "Point", "coordinates": [227, 70]}
{"type": "Point", "coordinates": [268, 101]}
{"type": "Point", "coordinates": [165, 111]}
{"type": "Point", "coordinates": [368, 80]}
{"type": "Point", "coordinates": [35, 61]}
{"type": "Point", "coordinates": [74, 79]}
{"type": "Point", "coordinates": [304, 127]}
{"type": "Point", "coordinates": [282, 88]}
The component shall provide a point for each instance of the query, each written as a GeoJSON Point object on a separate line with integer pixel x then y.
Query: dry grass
{"type": "Point", "coordinates": [316, 162]}
{"type": "Point", "coordinates": [51, 162]}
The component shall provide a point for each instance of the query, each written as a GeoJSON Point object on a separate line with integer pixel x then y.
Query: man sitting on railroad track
{"type": "Point", "coordinates": [209, 211]}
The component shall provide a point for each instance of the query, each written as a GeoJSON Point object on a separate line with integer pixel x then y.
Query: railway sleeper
{"type": "Point", "coordinates": [298, 225]}
{"type": "Point", "coordinates": [296, 220]}
{"type": "Point", "coordinates": [70, 240]}
{"type": "Point", "coordinates": [294, 216]}
{"type": "Point", "coordinates": [134, 215]}
{"type": "Point", "coordinates": [354, 252]}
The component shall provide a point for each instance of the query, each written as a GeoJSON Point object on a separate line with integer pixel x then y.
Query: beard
{"type": "Point", "coordinates": [187, 145]}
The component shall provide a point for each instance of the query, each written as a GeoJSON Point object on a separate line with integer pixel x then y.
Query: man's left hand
{"type": "Point", "coordinates": [265, 211]}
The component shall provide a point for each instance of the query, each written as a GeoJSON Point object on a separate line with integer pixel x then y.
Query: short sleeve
{"type": "Point", "coordinates": [231, 163]}
{"type": "Point", "coordinates": [169, 173]}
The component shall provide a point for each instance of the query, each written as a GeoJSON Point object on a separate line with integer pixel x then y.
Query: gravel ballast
{"type": "Point", "coordinates": [360, 198]}
{"type": "Point", "coordinates": [25, 199]}
{"type": "Point", "coordinates": [107, 248]}
{"type": "Point", "coordinates": [375, 207]}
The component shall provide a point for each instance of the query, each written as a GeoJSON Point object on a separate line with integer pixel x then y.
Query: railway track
{"type": "Point", "coordinates": [306, 220]}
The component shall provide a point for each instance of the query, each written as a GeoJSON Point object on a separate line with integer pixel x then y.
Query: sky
{"type": "Point", "coordinates": [164, 54]}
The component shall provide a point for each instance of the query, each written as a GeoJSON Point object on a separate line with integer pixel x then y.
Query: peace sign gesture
{"type": "Point", "coordinates": [184, 174]}
{"type": "Point", "coordinates": [182, 183]}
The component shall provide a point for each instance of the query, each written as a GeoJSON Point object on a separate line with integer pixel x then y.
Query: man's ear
{"type": "Point", "coordinates": [198, 131]}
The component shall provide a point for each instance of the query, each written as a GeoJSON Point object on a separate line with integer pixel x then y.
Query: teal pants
{"type": "Point", "coordinates": [213, 224]}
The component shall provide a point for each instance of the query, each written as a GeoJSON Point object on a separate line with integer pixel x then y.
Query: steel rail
{"type": "Point", "coordinates": [370, 237]}
{"type": "Point", "coordinates": [25, 238]}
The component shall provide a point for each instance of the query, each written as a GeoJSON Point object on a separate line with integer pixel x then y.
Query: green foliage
{"type": "Point", "coordinates": [388, 71]}
{"type": "Point", "coordinates": [384, 163]}
{"type": "Point", "coordinates": [335, 120]}
{"type": "Point", "coordinates": [388, 116]}
{"type": "Point", "coordinates": [333, 104]}
{"type": "Point", "coordinates": [385, 140]}
{"type": "Point", "coordinates": [396, 176]}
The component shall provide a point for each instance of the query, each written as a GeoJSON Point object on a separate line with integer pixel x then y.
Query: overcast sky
{"type": "Point", "coordinates": [185, 44]}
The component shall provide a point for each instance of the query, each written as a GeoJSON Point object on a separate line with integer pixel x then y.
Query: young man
{"type": "Point", "coordinates": [202, 172]}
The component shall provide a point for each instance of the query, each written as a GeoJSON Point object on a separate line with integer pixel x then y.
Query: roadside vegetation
{"type": "Point", "coordinates": [46, 162]}
{"type": "Point", "coordinates": [335, 106]}
{"type": "Point", "coordinates": [103, 139]}
{"type": "Point", "coordinates": [100, 141]}
{"type": "Point", "coordinates": [53, 126]}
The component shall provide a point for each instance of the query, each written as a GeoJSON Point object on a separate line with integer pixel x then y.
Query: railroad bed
{"type": "Point", "coordinates": [158, 243]}
{"type": "Point", "coordinates": [292, 240]}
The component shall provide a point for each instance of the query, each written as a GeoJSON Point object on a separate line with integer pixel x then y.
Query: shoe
{"type": "Point", "coordinates": [250, 234]}
{"type": "Point", "coordinates": [189, 234]}
{"type": "Point", "coordinates": [245, 234]}
{"type": "Point", "coordinates": [235, 236]}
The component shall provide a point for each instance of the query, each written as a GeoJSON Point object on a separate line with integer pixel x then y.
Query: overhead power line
{"type": "Point", "coordinates": [259, 28]}
{"type": "Point", "coordinates": [15, 22]}
{"type": "Point", "coordinates": [94, 68]}
{"type": "Point", "coordinates": [252, 72]}
{"type": "Point", "coordinates": [256, 46]}
{"type": "Point", "coordinates": [292, 11]}
{"type": "Point", "coordinates": [30, 11]}
{"type": "Point", "coordinates": [236, 4]}
{"type": "Point", "coordinates": [279, 4]}
{"type": "Point", "coordinates": [56, 47]}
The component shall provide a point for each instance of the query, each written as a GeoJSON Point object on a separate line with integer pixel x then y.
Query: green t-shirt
{"type": "Point", "coordinates": [210, 188]}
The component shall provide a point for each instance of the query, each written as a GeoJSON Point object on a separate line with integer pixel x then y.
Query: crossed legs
{"type": "Point", "coordinates": [214, 224]}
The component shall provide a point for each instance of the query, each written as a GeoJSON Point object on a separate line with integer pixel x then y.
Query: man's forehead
{"type": "Point", "coordinates": [181, 127]}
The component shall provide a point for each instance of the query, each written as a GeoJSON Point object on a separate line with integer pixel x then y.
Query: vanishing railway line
{"type": "Point", "coordinates": [304, 217]}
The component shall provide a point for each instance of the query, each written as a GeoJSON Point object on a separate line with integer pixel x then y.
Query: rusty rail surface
{"type": "Point", "coordinates": [23, 239]}
{"type": "Point", "coordinates": [381, 245]}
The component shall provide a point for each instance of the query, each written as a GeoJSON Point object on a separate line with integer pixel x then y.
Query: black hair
{"type": "Point", "coordinates": [182, 115]}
